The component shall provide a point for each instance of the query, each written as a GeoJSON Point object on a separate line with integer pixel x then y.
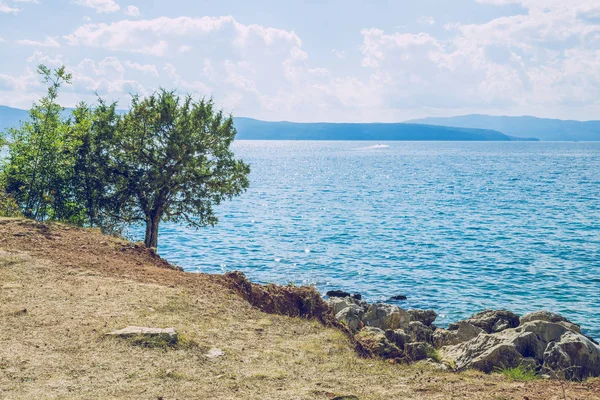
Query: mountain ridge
{"type": "Point", "coordinates": [546, 129]}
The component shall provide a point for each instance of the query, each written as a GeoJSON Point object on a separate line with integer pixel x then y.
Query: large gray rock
{"type": "Point", "coordinates": [427, 317]}
{"type": "Point", "coordinates": [168, 334]}
{"type": "Point", "coordinates": [352, 317]}
{"type": "Point", "coordinates": [492, 321]}
{"type": "Point", "coordinates": [374, 341]}
{"type": "Point", "coordinates": [573, 357]}
{"type": "Point", "coordinates": [555, 346]}
{"type": "Point", "coordinates": [464, 333]}
{"type": "Point", "coordinates": [542, 316]}
{"type": "Point", "coordinates": [419, 332]}
{"type": "Point", "coordinates": [338, 304]}
{"type": "Point", "coordinates": [417, 351]}
{"type": "Point", "coordinates": [385, 316]}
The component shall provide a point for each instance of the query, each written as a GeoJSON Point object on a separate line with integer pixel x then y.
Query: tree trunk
{"type": "Point", "coordinates": [151, 240]}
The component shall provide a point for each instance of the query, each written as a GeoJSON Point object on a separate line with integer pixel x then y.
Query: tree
{"type": "Point", "coordinates": [40, 157]}
{"type": "Point", "coordinates": [171, 160]}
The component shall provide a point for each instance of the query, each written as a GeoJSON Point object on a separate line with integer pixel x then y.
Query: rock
{"type": "Point", "coordinates": [573, 357]}
{"type": "Point", "coordinates": [417, 351]}
{"type": "Point", "coordinates": [464, 332]}
{"type": "Point", "coordinates": [418, 332]}
{"type": "Point", "coordinates": [385, 316]}
{"type": "Point", "coordinates": [542, 316]}
{"type": "Point", "coordinates": [341, 293]}
{"type": "Point", "coordinates": [492, 321]}
{"type": "Point", "coordinates": [345, 398]}
{"type": "Point", "coordinates": [351, 316]}
{"type": "Point", "coordinates": [398, 337]}
{"type": "Point", "coordinates": [167, 334]}
{"type": "Point", "coordinates": [214, 353]}
{"type": "Point", "coordinates": [399, 297]}
{"type": "Point", "coordinates": [338, 304]}
{"type": "Point", "coordinates": [425, 316]}
{"type": "Point", "coordinates": [374, 341]}
{"type": "Point", "coordinates": [555, 346]}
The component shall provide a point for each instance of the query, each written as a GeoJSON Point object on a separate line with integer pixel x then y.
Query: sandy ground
{"type": "Point", "coordinates": [63, 288]}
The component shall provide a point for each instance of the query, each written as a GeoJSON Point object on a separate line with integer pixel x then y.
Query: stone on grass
{"type": "Point", "coordinates": [169, 335]}
{"type": "Point", "coordinates": [214, 353]}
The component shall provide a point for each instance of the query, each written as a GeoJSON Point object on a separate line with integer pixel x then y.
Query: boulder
{"type": "Point", "coordinates": [464, 333]}
{"type": "Point", "coordinates": [374, 341]}
{"type": "Point", "coordinates": [385, 316]}
{"type": "Point", "coordinates": [417, 351]}
{"type": "Point", "coordinates": [418, 332]}
{"type": "Point", "coordinates": [551, 317]}
{"type": "Point", "coordinates": [425, 316]}
{"type": "Point", "coordinates": [492, 321]}
{"type": "Point", "coordinates": [542, 316]}
{"type": "Point", "coordinates": [554, 346]}
{"type": "Point", "coordinates": [398, 337]}
{"type": "Point", "coordinates": [169, 335]}
{"type": "Point", "coordinates": [351, 316]}
{"type": "Point", "coordinates": [338, 304]}
{"type": "Point", "coordinates": [573, 357]}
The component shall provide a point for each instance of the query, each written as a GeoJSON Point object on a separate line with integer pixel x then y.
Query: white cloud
{"type": "Point", "coordinates": [339, 54]}
{"type": "Point", "coordinates": [153, 36]}
{"type": "Point", "coordinates": [48, 42]}
{"type": "Point", "coordinates": [132, 11]}
{"type": "Point", "coordinates": [426, 21]}
{"type": "Point", "coordinates": [6, 9]}
{"type": "Point", "coordinates": [101, 6]}
{"type": "Point", "coordinates": [145, 68]}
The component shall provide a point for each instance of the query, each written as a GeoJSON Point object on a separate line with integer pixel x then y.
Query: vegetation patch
{"type": "Point", "coordinates": [520, 373]}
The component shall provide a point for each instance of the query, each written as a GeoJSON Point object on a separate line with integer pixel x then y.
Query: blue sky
{"type": "Point", "coordinates": [352, 60]}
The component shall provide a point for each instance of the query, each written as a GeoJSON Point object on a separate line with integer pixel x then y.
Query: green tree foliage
{"type": "Point", "coordinates": [167, 159]}
{"type": "Point", "coordinates": [39, 167]}
{"type": "Point", "coordinates": [171, 161]}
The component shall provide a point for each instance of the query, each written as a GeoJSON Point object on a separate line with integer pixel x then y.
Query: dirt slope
{"type": "Point", "coordinates": [63, 288]}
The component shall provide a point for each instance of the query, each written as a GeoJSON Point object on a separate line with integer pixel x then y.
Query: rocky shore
{"type": "Point", "coordinates": [489, 340]}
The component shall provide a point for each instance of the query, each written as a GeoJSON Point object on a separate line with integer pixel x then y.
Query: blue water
{"type": "Point", "coordinates": [455, 226]}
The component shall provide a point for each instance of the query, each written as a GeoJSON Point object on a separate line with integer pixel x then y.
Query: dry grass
{"type": "Point", "coordinates": [62, 289]}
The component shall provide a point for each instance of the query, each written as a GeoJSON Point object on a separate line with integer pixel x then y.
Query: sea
{"type": "Point", "coordinates": [456, 227]}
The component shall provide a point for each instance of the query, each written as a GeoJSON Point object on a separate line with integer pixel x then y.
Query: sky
{"type": "Point", "coordinates": [328, 60]}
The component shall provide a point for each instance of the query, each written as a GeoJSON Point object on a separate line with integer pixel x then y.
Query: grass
{"type": "Point", "coordinates": [77, 285]}
{"type": "Point", "coordinates": [520, 373]}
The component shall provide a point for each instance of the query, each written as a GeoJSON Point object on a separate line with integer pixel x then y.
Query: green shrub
{"type": "Point", "coordinates": [8, 206]}
{"type": "Point", "coordinates": [521, 373]}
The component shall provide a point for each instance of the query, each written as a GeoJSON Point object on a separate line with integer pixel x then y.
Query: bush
{"type": "Point", "coordinates": [8, 206]}
{"type": "Point", "coordinates": [521, 373]}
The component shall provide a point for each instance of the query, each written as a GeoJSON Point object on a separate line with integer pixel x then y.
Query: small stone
{"type": "Point", "coordinates": [168, 334]}
{"type": "Point", "coordinates": [215, 353]}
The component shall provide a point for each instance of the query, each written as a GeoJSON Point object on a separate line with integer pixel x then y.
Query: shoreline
{"type": "Point", "coordinates": [64, 288]}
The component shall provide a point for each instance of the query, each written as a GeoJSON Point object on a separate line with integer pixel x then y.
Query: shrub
{"type": "Point", "coordinates": [521, 373]}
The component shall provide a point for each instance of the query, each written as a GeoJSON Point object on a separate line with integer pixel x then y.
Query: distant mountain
{"type": "Point", "coordinates": [10, 117]}
{"type": "Point", "coordinates": [540, 128]}
{"type": "Point", "coordinates": [252, 129]}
